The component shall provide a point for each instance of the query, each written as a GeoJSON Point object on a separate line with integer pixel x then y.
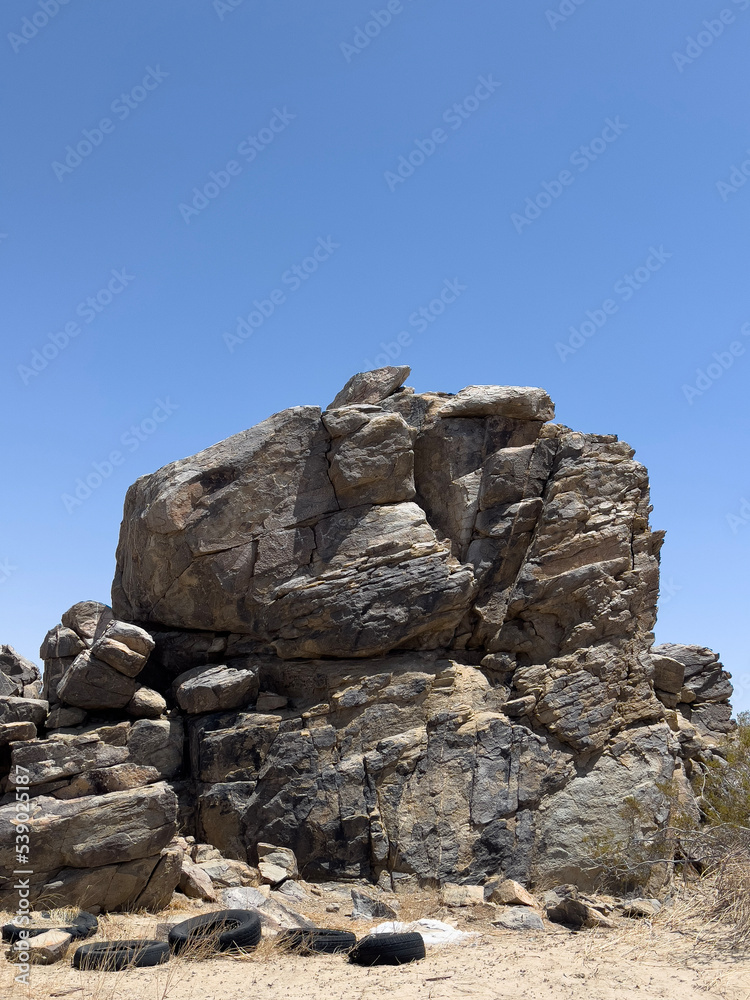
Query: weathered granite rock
{"type": "Point", "coordinates": [32, 710]}
{"type": "Point", "coordinates": [90, 683]}
{"type": "Point", "coordinates": [84, 654]}
{"type": "Point", "coordinates": [448, 605]}
{"type": "Point", "coordinates": [10, 732]}
{"type": "Point", "coordinates": [517, 402]}
{"type": "Point", "coordinates": [519, 918]}
{"type": "Point", "coordinates": [195, 882]}
{"type": "Point", "coordinates": [703, 696]}
{"type": "Point", "coordinates": [276, 863]}
{"type": "Point", "coordinates": [63, 717]}
{"type": "Point", "coordinates": [215, 689]}
{"type": "Point", "coordinates": [371, 387]}
{"type": "Point", "coordinates": [157, 743]}
{"type": "Point", "coordinates": [65, 756]}
{"type": "Point", "coordinates": [365, 906]}
{"type": "Point", "coordinates": [461, 895]}
{"type": "Point", "coordinates": [87, 619]}
{"type": "Point", "coordinates": [116, 778]}
{"type": "Point", "coordinates": [508, 893]}
{"type": "Point", "coordinates": [146, 704]}
{"type": "Point", "coordinates": [73, 839]}
{"type": "Point", "coordinates": [19, 677]}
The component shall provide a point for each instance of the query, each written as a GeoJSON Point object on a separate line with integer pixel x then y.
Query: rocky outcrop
{"type": "Point", "coordinates": [407, 636]}
{"type": "Point", "coordinates": [91, 661]}
{"type": "Point", "coordinates": [692, 680]}
{"type": "Point", "coordinates": [19, 677]}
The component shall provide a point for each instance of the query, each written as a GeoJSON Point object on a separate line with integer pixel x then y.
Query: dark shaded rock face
{"type": "Point", "coordinates": [412, 633]}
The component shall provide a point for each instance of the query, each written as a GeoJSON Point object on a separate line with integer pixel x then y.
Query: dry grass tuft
{"type": "Point", "coordinates": [732, 896]}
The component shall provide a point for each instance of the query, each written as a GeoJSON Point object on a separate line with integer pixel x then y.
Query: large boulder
{"type": "Point", "coordinates": [446, 603]}
{"type": "Point", "coordinates": [99, 849]}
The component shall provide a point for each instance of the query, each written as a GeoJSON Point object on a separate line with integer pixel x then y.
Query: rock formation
{"type": "Point", "coordinates": [411, 634]}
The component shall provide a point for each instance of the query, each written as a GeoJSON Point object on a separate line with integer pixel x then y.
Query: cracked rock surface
{"type": "Point", "coordinates": [408, 636]}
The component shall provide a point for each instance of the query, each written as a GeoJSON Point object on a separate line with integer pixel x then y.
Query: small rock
{"type": "Point", "coordinates": [268, 702]}
{"type": "Point", "coordinates": [509, 893]}
{"type": "Point", "coordinates": [49, 947]}
{"type": "Point", "coordinates": [515, 401]}
{"type": "Point", "coordinates": [276, 863]}
{"type": "Point", "coordinates": [519, 918]}
{"type": "Point", "coordinates": [365, 907]}
{"type": "Point", "coordinates": [205, 852]}
{"type": "Point", "coordinates": [273, 914]}
{"type": "Point", "coordinates": [292, 890]}
{"type": "Point", "coordinates": [461, 895]}
{"type": "Point", "coordinates": [195, 882]}
{"type": "Point", "coordinates": [227, 873]}
{"type": "Point", "coordinates": [575, 913]}
{"type": "Point", "coordinates": [333, 908]}
{"type": "Point", "coordinates": [88, 619]}
{"type": "Point", "coordinates": [637, 908]}
{"type": "Point", "coordinates": [10, 732]}
{"type": "Point", "coordinates": [403, 883]}
{"type": "Point", "coordinates": [146, 704]}
{"type": "Point", "coordinates": [669, 674]}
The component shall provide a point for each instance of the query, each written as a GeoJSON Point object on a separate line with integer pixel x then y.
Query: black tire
{"type": "Point", "coordinates": [84, 925]}
{"type": "Point", "coordinates": [221, 929]}
{"type": "Point", "coordinates": [318, 939]}
{"type": "Point", "coordinates": [116, 955]}
{"type": "Point", "coordinates": [388, 949]}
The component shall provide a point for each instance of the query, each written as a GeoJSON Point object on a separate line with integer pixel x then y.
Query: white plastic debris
{"type": "Point", "coordinates": [434, 932]}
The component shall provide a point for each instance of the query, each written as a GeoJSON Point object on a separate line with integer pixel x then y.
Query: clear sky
{"type": "Point", "coordinates": [215, 210]}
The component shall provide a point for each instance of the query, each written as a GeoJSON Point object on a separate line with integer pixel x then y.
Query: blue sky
{"type": "Point", "coordinates": [320, 172]}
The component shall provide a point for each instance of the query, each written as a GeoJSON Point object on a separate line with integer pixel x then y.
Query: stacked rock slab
{"type": "Point", "coordinates": [451, 601]}
{"type": "Point", "coordinates": [101, 816]}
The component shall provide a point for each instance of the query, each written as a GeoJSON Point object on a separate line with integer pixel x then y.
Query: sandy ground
{"type": "Point", "coordinates": [675, 957]}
